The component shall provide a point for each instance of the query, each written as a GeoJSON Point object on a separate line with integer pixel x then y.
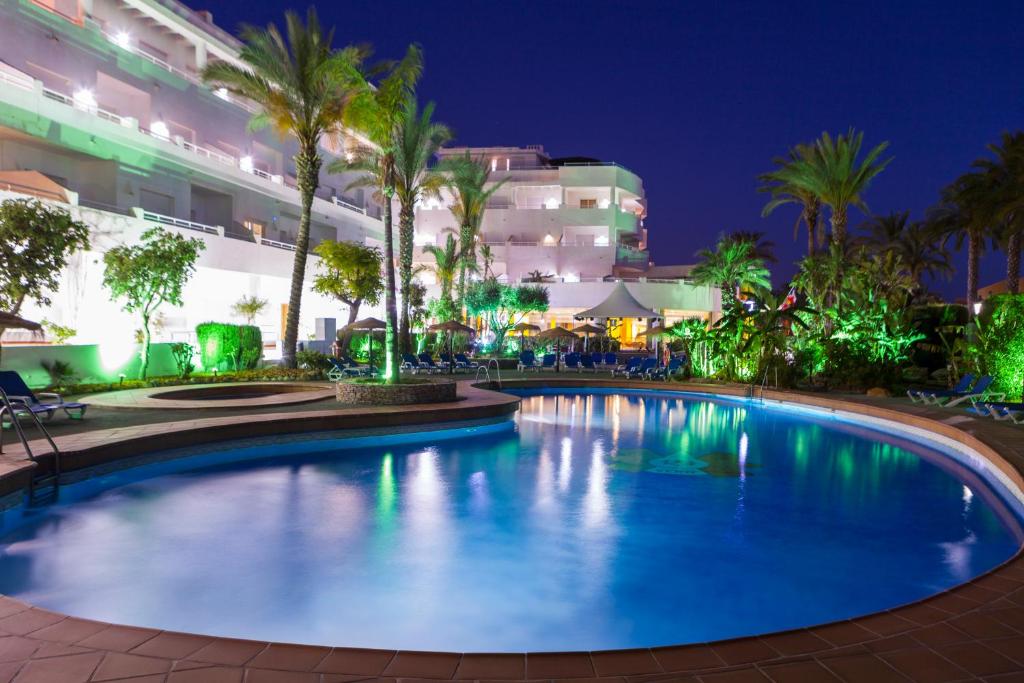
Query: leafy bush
{"type": "Point", "coordinates": [999, 345]}
{"type": "Point", "coordinates": [60, 373]}
{"type": "Point", "coordinates": [183, 354]}
{"type": "Point", "coordinates": [267, 374]}
{"type": "Point", "coordinates": [229, 347]}
{"type": "Point", "coordinates": [313, 360]}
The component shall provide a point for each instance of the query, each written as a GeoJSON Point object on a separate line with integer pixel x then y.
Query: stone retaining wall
{"type": "Point", "coordinates": [395, 394]}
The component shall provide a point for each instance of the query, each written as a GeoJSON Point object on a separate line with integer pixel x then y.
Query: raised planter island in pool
{"type": "Point", "coordinates": [598, 519]}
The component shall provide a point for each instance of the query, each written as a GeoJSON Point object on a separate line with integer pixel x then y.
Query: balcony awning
{"type": "Point", "coordinates": [619, 304]}
{"type": "Point", "coordinates": [32, 183]}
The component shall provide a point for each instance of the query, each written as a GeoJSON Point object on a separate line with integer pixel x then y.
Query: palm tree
{"type": "Point", "coordinates": [302, 87]}
{"type": "Point", "coordinates": [378, 112]}
{"type": "Point", "coordinates": [783, 191]}
{"type": "Point", "coordinates": [762, 248]}
{"type": "Point", "coordinates": [417, 140]}
{"type": "Point", "coordinates": [833, 175]}
{"type": "Point", "coordinates": [1006, 175]}
{"type": "Point", "coordinates": [447, 261]}
{"type": "Point", "coordinates": [467, 179]}
{"type": "Point", "coordinates": [912, 241]}
{"type": "Point", "coordinates": [965, 214]}
{"type": "Point", "coordinates": [733, 267]}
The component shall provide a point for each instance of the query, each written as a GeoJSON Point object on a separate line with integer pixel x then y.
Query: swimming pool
{"type": "Point", "coordinates": [604, 519]}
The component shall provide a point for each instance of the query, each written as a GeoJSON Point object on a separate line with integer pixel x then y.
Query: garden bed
{"type": "Point", "coordinates": [407, 393]}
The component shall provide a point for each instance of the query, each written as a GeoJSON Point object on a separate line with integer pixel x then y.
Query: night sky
{"type": "Point", "coordinates": [697, 98]}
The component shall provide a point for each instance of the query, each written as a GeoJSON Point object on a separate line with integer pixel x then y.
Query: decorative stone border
{"type": "Point", "coordinates": [359, 394]}
{"type": "Point", "coordinates": [972, 632]}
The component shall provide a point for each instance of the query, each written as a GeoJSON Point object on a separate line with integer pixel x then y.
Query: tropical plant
{"type": "Point", "coordinates": [538, 276]}
{"type": "Point", "coordinates": [182, 353]}
{"type": "Point", "coordinates": [447, 261]}
{"type": "Point", "coordinates": [302, 87]}
{"type": "Point", "coordinates": [504, 306]}
{"type": "Point", "coordinates": [350, 273]}
{"type": "Point", "coordinates": [733, 267]}
{"type": "Point", "coordinates": [1005, 174]}
{"type": "Point", "coordinates": [378, 110]}
{"type": "Point", "coordinates": [769, 321]}
{"type": "Point", "coordinates": [914, 242]}
{"type": "Point", "coordinates": [965, 215]}
{"type": "Point", "coordinates": [249, 307]}
{"type": "Point", "coordinates": [149, 274]}
{"type": "Point", "coordinates": [998, 348]}
{"type": "Point", "coordinates": [761, 248]}
{"type": "Point", "coordinates": [59, 333]}
{"type": "Point", "coordinates": [36, 241]}
{"type": "Point", "coordinates": [467, 179]}
{"type": "Point", "coordinates": [833, 174]}
{"type": "Point", "coordinates": [417, 140]}
{"type": "Point", "coordinates": [61, 372]}
{"type": "Point", "coordinates": [780, 184]}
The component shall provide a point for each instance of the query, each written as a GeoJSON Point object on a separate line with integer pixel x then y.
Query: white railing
{"type": "Point", "coordinates": [208, 153]}
{"type": "Point", "coordinates": [351, 207]}
{"type": "Point", "coordinates": [275, 243]}
{"type": "Point", "coordinates": [279, 180]}
{"type": "Point", "coordinates": [180, 222]}
{"type": "Point", "coordinates": [95, 111]}
{"type": "Point", "coordinates": [17, 80]}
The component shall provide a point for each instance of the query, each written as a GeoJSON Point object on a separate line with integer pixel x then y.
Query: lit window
{"type": "Point", "coordinates": [570, 277]}
{"type": "Point", "coordinates": [494, 164]}
{"type": "Point", "coordinates": [604, 203]}
{"type": "Point", "coordinates": [588, 203]}
{"type": "Point", "coordinates": [549, 240]}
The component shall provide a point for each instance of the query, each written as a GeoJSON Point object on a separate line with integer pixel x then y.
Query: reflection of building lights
{"type": "Point", "coordinates": [160, 130]}
{"type": "Point", "coordinates": [123, 39]}
{"type": "Point", "coordinates": [245, 163]}
{"type": "Point", "coordinates": [84, 98]}
{"type": "Point", "coordinates": [494, 165]}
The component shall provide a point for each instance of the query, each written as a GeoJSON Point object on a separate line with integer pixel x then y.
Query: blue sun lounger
{"type": "Point", "coordinates": [25, 399]}
{"type": "Point", "coordinates": [918, 394]}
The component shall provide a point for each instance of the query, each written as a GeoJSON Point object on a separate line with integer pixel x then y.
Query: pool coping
{"type": "Point", "coordinates": [972, 631]}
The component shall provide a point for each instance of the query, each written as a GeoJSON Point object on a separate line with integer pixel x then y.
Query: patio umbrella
{"type": "Point", "coordinates": [588, 330]}
{"type": "Point", "coordinates": [522, 328]}
{"type": "Point", "coordinates": [367, 325]}
{"type": "Point", "coordinates": [557, 334]}
{"type": "Point", "coordinates": [9, 320]}
{"type": "Point", "coordinates": [451, 327]}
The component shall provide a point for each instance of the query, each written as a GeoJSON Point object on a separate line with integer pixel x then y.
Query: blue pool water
{"type": "Point", "coordinates": [602, 520]}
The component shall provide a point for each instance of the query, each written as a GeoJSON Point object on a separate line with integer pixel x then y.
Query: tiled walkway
{"type": "Point", "coordinates": [974, 632]}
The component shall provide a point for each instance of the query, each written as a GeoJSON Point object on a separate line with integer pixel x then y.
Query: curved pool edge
{"type": "Point", "coordinates": [973, 629]}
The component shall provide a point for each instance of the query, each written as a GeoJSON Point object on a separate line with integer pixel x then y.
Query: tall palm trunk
{"type": "Point", "coordinates": [390, 305]}
{"type": "Point", "coordinates": [973, 254]}
{"type": "Point", "coordinates": [811, 214]}
{"type": "Point", "coordinates": [1013, 263]}
{"type": "Point", "coordinates": [307, 172]}
{"type": "Point", "coordinates": [406, 219]}
{"type": "Point", "coordinates": [838, 220]}
{"type": "Point", "coordinates": [465, 238]}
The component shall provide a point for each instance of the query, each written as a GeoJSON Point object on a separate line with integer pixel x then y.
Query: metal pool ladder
{"type": "Point", "coordinates": [13, 409]}
{"type": "Point", "coordinates": [487, 371]}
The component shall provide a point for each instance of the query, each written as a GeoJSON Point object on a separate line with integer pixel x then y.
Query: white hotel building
{"type": "Point", "coordinates": [102, 110]}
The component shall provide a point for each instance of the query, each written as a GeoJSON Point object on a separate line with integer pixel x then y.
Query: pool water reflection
{"type": "Point", "coordinates": [605, 521]}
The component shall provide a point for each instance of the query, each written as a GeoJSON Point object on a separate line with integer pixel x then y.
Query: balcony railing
{"type": "Point", "coordinates": [179, 222]}
{"type": "Point", "coordinates": [17, 80]}
{"type": "Point", "coordinates": [275, 243]}
{"type": "Point", "coordinates": [209, 153]}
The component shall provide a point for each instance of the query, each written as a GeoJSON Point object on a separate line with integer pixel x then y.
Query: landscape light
{"type": "Point", "coordinates": [977, 308]}
{"type": "Point", "coordinates": [245, 163]}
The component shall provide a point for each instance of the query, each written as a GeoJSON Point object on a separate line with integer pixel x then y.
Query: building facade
{"type": "Point", "coordinates": [102, 110]}
{"type": "Point", "coordinates": [576, 224]}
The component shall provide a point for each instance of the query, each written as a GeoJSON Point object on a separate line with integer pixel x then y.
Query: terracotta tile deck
{"type": "Point", "coordinates": [973, 632]}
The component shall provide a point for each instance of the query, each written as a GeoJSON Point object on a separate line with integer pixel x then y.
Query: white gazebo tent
{"type": "Point", "coordinates": [619, 304]}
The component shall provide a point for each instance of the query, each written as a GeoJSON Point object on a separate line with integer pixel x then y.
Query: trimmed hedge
{"type": "Point", "coordinates": [229, 347]}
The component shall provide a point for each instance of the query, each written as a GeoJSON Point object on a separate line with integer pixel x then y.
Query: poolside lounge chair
{"type": "Point", "coordinates": [610, 360]}
{"type": "Point", "coordinates": [917, 394]}
{"type": "Point", "coordinates": [978, 393]}
{"type": "Point", "coordinates": [595, 357]}
{"type": "Point", "coordinates": [630, 365]}
{"type": "Point", "coordinates": [430, 364]}
{"type": "Point", "coordinates": [346, 367]}
{"type": "Point", "coordinates": [19, 393]}
{"type": "Point", "coordinates": [572, 361]}
{"type": "Point", "coordinates": [411, 364]}
{"type": "Point", "coordinates": [587, 363]}
{"type": "Point", "coordinates": [548, 363]}
{"type": "Point", "coordinates": [646, 366]}
{"type": "Point", "coordinates": [527, 361]}
{"type": "Point", "coordinates": [674, 366]}
{"type": "Point", "coordinates": [1014, 412]}
{"type": "Point", "coordinates": [462, 361]}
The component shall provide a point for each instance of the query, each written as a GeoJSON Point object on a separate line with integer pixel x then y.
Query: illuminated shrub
{"type": "Point", "coordinates": [229, 347]}
{"type": "Point", "coordinates": [1000, 343]}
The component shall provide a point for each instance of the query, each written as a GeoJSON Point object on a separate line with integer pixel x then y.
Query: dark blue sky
{"type": "Point", "coordinates": [698, 97]}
